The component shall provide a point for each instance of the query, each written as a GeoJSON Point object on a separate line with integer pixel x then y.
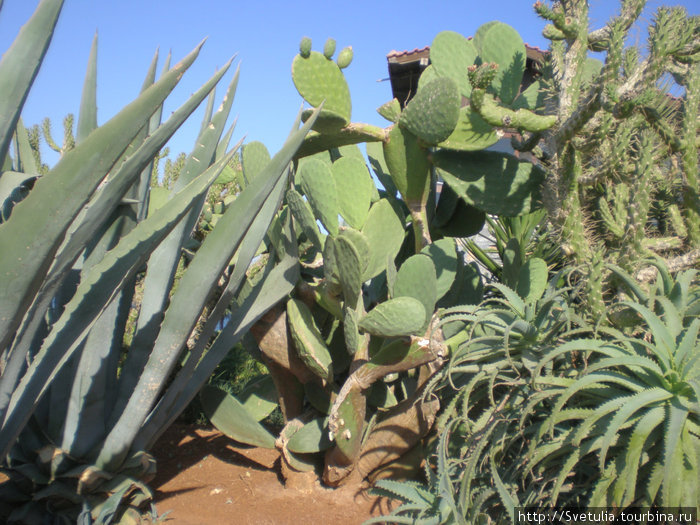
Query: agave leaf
{"type": "Point", "coordinates": [164, 261]}
{"type": "Point", "coordinates": [98, 211]}
{"type": "Point", "coordinates": [25, 158]}
{"type": "Point", "coordinates": [87, 117]}
{"type": "Point", "coordinates": [94, 293]}
{"type": "Point", "coordinates": [230, 416]}
{"type": "Point", "coordinates": [56, 200]}
{"type": "Point", "coordinates": [192, 293]}
{"type": "Point", "coordinates": [312, 437]}
{"type": "Point", "coordinates": [20, 65]}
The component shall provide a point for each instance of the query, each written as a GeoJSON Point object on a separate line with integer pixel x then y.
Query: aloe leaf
{"type": "Point", "coordinates": [87, 117]}
{"type": "Point", "coordinates": [671, 490]}
{"type": "Point", "coordinates": [228, 415]}
{"type": "Point", "coordinates": [191, 295]}
{"type": "Point", "coordinates": [97, 212]}
{"type": "Point", "coordinates": [94, 292]}
{"type": "Point", "coordinates": [57, 199]}
{"type": "Point", "coordinates": [20, 65]}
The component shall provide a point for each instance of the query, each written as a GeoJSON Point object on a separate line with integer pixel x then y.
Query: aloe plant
{"type": "Point", "coordinates": [79, 410]}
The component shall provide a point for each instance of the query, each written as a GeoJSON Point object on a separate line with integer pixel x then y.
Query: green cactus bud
{"type": "Point", "coordinates": [308, 341]}
{"type": "Point", "coordinates": [482, 75]}
{"type": "Point", "coordinates": [345, 57]}
{"type": "Point", "coordinates": [305, 47]}
{"type": "Point", "coordinates": [329, 48]}
{"type": "Point", "coordinates": [433, 113]}
{"type": "Point", "coordinates": [396, 317]}
{"type": "Point", "coordinates": [494, 182]}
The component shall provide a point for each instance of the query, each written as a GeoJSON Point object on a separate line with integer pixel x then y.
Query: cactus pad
{"type": "Point", "coordinates": [396, 317]}
{"type": "Point", "coordinates": [304, 217]}
{"type": "Point", "coordinates": [318, 79]}
{"type": "Point", "coordinates": [501, 44]}
{"type": "Point", "coordinates": [319, 187]}
{"type": "Point", "coordinates": [494, 182]}
{"type": "Point", "coordinates": [308, 341]}
{"type": "Point", "coordinates": [391, 110]}
{"type": "Point", "coordinates": [384, 231]}
{"type": "Point", "coordinates": [443, 254]}
{"type": "Point", "coordinates": [353, 188]}
{"type": "Point", "coordinates": [408, 165]}
{"type": "Point", "coordinates": [350, 270]}
{"type": "Point", "coordinates": [433, 113]}
{"type": "Point", "coordinates": [254, 157]}
{"type": "Point", "coordinates": [451, 54]}
{"type": "Point", "coordinates": [417, 278]}
{"type": "Point", "coordinates": [471, 133]}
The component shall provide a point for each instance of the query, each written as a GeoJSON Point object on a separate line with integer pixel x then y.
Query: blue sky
{"type": "Point", "coordinates": [265, 35]}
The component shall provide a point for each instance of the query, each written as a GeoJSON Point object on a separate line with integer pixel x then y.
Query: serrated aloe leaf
{"type": "Point", "coordinates": [87, 117]}
{"type": "Point", "coordinates": [254, 158]}
{"type": "Point", "coordinates": [443, 253]}
{"type": "Point", "coordinates": [451, 54]}
{"type": "Point", "coordinates": [494, 182]}
{"type": "Point", "coordinates": [20, 64]}
{"type": "Point", "coordinates": [259, 397]}
{"type": "Point", "coordinates": [417, 278]}
{"type": "Point", "coordinates": [532, 280]}
{"type": "Point", "coordinates": [353, 189]}
{"type": "Point", "coordinates": [312, 437]}
{"type": "Point", "coordinates": [384, 231]}
{"type": "Point", "coordinates": [318, 185]}
{"type": "Point", "coordinates": [499, 43]}
{"type": "Point", "coordinates": [228, 415]}
{"type": "Point", "coordinates": [396, 317]}
{"type": "Point", "coordinates": [56, 200]}
{"type": "Point", "coordinates": [95, 291]}
{"type": "Point", "coordinates": [191, 295]}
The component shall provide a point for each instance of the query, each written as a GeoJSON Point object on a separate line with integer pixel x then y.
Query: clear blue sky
{"type": "Point", "coordinates": [266, 37]}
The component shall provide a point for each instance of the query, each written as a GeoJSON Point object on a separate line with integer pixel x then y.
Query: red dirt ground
{"type": "Point", "coordinates": [204, 478]}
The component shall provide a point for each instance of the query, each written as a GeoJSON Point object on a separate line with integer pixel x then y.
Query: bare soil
{"type": "Point", "coordinates": [204, 478]}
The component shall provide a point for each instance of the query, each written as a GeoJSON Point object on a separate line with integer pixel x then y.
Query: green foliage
{"type": "Point", "coordinates": [79, 411]}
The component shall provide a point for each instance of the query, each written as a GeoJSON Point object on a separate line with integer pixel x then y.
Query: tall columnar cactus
{"type": "Point", "coordinates": [620, 140]}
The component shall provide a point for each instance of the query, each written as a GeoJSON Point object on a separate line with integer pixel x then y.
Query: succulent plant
{"type": "Point", "coordinates": [79, 411]}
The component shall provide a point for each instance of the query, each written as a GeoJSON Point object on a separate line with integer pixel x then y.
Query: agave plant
{"type": "Point", "coordinates": [79, 410]}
